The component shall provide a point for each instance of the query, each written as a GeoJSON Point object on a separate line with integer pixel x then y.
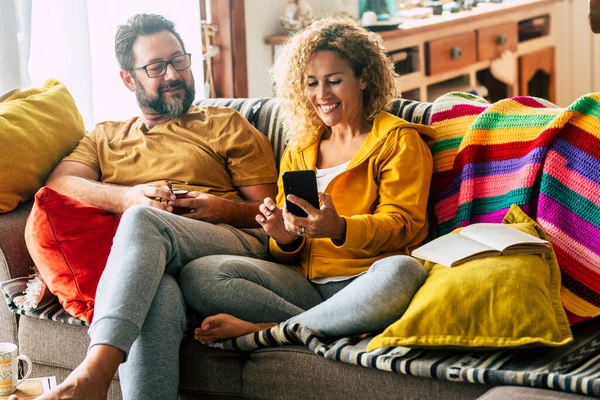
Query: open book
{"type": "Point", "coordinates": [478, 241]}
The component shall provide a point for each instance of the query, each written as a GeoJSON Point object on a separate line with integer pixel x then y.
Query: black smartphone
{"type": "Point", "coordinates": [302, 184]}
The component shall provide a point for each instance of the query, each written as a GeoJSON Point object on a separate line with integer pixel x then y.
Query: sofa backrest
{"type": "Point", "coordinates": [264, 114]}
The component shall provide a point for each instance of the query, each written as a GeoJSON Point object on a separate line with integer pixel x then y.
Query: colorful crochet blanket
{"type": "Point", "coordinates": [529, 152]}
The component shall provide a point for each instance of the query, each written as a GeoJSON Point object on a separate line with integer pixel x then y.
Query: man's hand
{"type": "Point", "coordinates": [148, 195]}
{"type": "Point", "coordinates": [203, 206]}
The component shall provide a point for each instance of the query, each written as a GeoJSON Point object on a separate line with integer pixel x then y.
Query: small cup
{"type": "Point", "coordinates": [9, 368]}
{"type": "Point", "coordinates": [369, 18]}
{"type": "Point", "coordinates": [180, 193]}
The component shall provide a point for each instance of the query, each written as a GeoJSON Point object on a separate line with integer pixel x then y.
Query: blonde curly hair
{"type": "Point", "coordinates": [362, 49]}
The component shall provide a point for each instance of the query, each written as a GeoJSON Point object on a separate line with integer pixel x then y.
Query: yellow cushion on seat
{"type": "Point", "coordinates": [38, 127]}
{"type": "Point", "coordinates": [492, 302]}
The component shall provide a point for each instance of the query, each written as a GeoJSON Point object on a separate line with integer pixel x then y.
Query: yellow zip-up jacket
{"type": "Point", "coordinates": [382, 195]}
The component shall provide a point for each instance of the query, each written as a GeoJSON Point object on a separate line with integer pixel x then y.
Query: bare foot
{"type": "Point", "coordinates": [225, 326]}
{"type": "Point", "coordinates": [91, 379]}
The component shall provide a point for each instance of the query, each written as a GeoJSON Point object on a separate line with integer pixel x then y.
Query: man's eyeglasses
{"type": "Point", "coordinates": [159, 68]}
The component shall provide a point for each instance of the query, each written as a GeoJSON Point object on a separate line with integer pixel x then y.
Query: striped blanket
{"type": "Point", "coordinates": [573, 368]}
{"type": "Point", "coordinates": [526, 151]}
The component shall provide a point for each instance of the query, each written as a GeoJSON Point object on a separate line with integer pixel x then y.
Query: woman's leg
{"type": "Point", "coordinates": [257, 291]}
{"type": "Point", "coordinates": [236, 286]}
{"type": "Point", "coordinates": [152, 368]}
{"type": "Point", "coordinates": [239, 295]}
{"type": "Point", "coordinates": [370, 302]}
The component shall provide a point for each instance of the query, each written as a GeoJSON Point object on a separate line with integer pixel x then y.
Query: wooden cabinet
{"type": "Point", "coordinates": [492, 41]}
{"type": "Point", "coordinates": [536, 74]}
{"type": "Point", "coordinates": [450, 53]}
{"type": "Point", "coordinates": [457, 51]}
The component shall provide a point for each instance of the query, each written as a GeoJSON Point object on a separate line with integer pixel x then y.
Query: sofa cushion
{"type": "Point", "coordinates": [70, 242]}
{"type": "Point", "coordinates": [207, 370]}
{"type": "Point", "coordinates": [492, 302]}
{"type": "Point", "coordinates": [38, 127]}
{"type": "Point", "coordinates": [296, 373]}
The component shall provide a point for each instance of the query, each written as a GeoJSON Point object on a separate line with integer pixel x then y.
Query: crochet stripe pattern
{"type": "Point", "coordinates": [529, 152]}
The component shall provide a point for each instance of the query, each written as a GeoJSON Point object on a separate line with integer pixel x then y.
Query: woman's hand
{"type": "Point", "coordinates": [271, 219]}
{"type": "Point", "coordinates": [320, 223]}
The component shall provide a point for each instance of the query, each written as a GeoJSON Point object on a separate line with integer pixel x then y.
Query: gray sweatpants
{"type": "Point", "coordinates": [264, 291]}
{"type": "Point", "coordinates": [139, 307]}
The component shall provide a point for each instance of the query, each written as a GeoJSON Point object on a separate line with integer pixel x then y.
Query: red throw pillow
{"type": "Point", "coordinates": [69, 242]}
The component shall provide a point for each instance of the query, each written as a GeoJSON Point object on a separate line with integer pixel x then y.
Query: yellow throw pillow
{"type": "Point", "coordinates": [492, 302]}
{"type": "Point", "coordinates": [38, 127]}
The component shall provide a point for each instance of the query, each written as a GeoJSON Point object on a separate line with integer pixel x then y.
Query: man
{"type": "Point", "coordinates": [139, 318]}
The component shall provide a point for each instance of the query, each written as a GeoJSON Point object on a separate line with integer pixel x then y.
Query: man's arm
{"type": "Point", "coordinates": [254, 195]}
{"type": "Point", "coordinates": [217, 210]}
{"type": "Point", "coordinates": [81, 182]}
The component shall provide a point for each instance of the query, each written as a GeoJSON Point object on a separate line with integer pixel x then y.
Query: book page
{"type": "Point", "coordinates": [450, 248]}
{"type": "Point", "coordinates": [501, 236]}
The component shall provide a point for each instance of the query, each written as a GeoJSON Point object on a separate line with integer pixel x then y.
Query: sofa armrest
{"type": "Point", "coordinates": [14, 257]}
{"type": "Point", "coordinates": [14, 262]}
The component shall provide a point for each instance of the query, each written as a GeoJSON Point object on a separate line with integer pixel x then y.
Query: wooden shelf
{"type": "Point", "coordinates": [435, 37]}
{"type": "Point", "coordinates": [437, 23]}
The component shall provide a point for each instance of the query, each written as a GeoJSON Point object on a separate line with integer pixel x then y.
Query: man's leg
{"type": "Point", "coordinates": [370, 302]}
{"type": "Point", "coordinates": [149, 243]}
{"type": "Point", "coordinates": [152, 369]}
{"type": "Point", "coordinates": [257, 291]}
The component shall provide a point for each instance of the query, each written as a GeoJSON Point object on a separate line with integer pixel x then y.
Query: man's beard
{"type": "Point", "coordinates": [178, 105]}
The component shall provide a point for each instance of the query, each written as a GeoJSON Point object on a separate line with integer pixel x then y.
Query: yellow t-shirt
{"type": "Point", "coordinates": [211, 149]}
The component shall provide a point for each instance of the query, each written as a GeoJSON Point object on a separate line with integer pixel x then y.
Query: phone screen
{"type": "Point", "coordinates": [302, 184]}
{"type": "Point", "coordinates": [181, 194]}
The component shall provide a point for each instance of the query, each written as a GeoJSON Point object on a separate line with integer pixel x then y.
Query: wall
{"type": "Point", "coordinates": [577, 52]}
{"type": "Point", "coordinates": [10, 72]}
{"type": "Point", "coordinates": [262, 19]}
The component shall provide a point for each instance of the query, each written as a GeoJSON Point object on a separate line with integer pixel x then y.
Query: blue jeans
{"type": "Point", "coordinates": [263, 291]}
{"type": "Point", "coordinates": [139, 307]}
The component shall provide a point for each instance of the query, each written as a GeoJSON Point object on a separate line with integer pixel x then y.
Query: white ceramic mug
{"type": "Point", "coordinates": [9, 368]}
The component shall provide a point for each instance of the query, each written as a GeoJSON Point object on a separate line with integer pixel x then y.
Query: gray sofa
{"type": "Point", "coordinates": [289, 372]}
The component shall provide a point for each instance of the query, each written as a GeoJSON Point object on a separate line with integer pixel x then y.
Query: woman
{"type": "Point", "coordinates": [349, 273]}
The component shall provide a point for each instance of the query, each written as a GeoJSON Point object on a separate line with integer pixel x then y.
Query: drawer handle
{"type": "Point", "coordinates": [502, 39]}
{"type": "Point", "coordinates": [455, 53]}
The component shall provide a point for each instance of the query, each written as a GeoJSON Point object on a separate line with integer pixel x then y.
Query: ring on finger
{"type": "Point", "coordinates": [301, 231]}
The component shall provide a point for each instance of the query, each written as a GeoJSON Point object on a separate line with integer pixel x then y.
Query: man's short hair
{"type": "Point", "coordinates": [140, 25]}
